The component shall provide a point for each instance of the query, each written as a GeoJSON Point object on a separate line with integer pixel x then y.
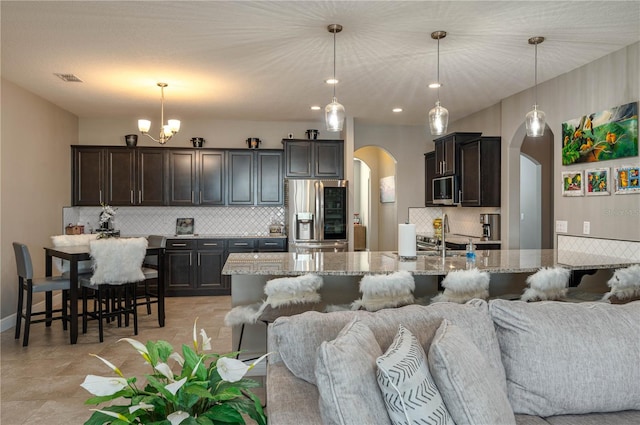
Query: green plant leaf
{"type": "Point", "coordinates": [159, 387]}
{"type": "Point", "coordinates": [164, 350]}
{"type": "Point", "coordinates": [127, 393]}
{"type": "Point", "coordinates": [225, 414]}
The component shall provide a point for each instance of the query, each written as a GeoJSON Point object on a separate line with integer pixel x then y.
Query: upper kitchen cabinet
{"type": "Point", "coordinates": [182, 177]}
{"type": "Point", "coordinates": [196, 177]}
{"type": "Point", "coordinates": [446, 152]}
{"type": "Point", "coordinates": [306, 159]}
{"type": "Point", "coordinates": [211, 177]}
{"type": "Point", "coordinates": [117, 176]}
{"type": "Point", "coordinates": [429, 173]}
{"type": "Point", "coordinates": [480, 172]}
{"type": "Point", "coordinates": [255, 177]}
{"type": "Point", "coordinates": [269, 178]}
{"type": "Point", "coordinates": [241, 183]}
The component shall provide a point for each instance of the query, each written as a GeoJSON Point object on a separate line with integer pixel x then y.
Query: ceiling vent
{"type": "Point", "coordinates": [69, 78]}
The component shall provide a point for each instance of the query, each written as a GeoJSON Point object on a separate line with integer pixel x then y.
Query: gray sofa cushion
{"type": "Point", "coordinates": [290, 400]}
{"type": "Point", "coordinates": [346, 375]}
{"type": "Point", "coordinates": [565, 358]}
{"type": "Point", "coordinates": [627, 417]}
{"type": "Point", "coordinates": [297, 338]}
{"type": "Point", "coordinates": [470, 388]}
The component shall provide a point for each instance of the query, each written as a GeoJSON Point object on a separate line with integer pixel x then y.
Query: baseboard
{"type": "Point", "coordinates": [10, 321]}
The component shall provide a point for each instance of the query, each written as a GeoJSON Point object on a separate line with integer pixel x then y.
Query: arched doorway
{"type": "Point", "coordinates": [530, 203]}
{"type": "Point", "coordinates": [382, 216]}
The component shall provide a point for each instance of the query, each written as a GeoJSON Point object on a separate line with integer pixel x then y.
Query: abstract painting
{"type": "Point", "coordinates": [601, 136]}
{"type": "Point", "coordinates": [598, 182]}
{"type": "Point", "coordinates": [388, 189]}
{"type": "Point", "coordinates": [572, 183]}
{"type": "Point", "coordinates": [627, 179]}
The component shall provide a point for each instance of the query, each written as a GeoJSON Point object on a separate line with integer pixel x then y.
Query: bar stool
{"type": "Point", "coordinates": [27, 283]}
{"type": "Point", "coordinates": [625, 286]}
{"type": "Point", "coordinates": [547, 284]}
{"type": "Point", "coordinates": [461, 286]}
{"type": "Point", "coordinates": [385, 291]}
{"type": "Point", "coordinates": [150, 270]}
{"type": "Point", "coordinates": [117, 272]}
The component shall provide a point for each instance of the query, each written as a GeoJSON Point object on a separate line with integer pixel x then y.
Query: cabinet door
{"type": "Point", "coordinates": [439, 158]}
{"type": "Point", "coordinates": [88, 176]}
{"type": "Point", "coordinates": [211, 179]}
{"type": "Point", "coordinates": [210, 272]}
{"type": "Point", "coordinates": [298, 159]}
{"type": "Point", "coordinates": [449, 156]}
{"type": "Point", "coordinates": [329, 160]}
{"type": "Point", "coordinates": [470, 174]}
{"type": "Point", "coordinates": [182, 177]}
{"type": "Point", "coordinates": [429, 173]}
{"type": "Point", "coordinates": [121, 172]}
{"type": "Point", "coordinates": [272, 245]}
{"type": "Point", "coordinates": [269, 178]}
{"type": "Point", "coordinates": [151, 177]}
{"type": "Point", "coordinates": [180, 277]}
{"type": "Point", "coordinates": [241, 178]}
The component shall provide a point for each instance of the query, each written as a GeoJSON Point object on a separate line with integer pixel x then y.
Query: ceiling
{"type": "Point", "coordinates": [266, 60]}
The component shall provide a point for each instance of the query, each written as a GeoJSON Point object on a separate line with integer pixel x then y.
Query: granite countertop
{"type": "Point", "coordinates": [462, 239]}
{"type": "Point", "coordinates": [360, 263]}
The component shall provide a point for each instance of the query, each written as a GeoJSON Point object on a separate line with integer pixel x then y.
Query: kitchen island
{"type": "Point", "coordinates": [342, 272]}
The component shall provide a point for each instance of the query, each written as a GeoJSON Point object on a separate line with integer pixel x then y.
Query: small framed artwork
{"type": "Point", "coordinates": [598, 182]}
{"type": "Point", "coordinates": [572, 183]}
{"type": "Point", "coordinates": [184, 226]}
{"type": "Point", "coordinates": [388, 189]}
{"type": "Point", "coordinates": [627, 179]}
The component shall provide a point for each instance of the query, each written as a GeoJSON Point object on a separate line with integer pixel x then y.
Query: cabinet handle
{"type": "Point", "coordinates": [192, 196]}
{"type": "Point", "coordinates": [132, 196]}
{"type": "Point", "coordinates": [460, 196]}
{"type": "Point", "coordinates": [178, 244]}
{"type": "Point", "coordinates": [240, 244]}
{"type": "Point", "coordinates": [200, 197]}
{"type": "Point", "coordinates": [100, 196]}
{"type": "Point", "coordinates": [190, 259]}
{"type": "Point", "coordinates": [198, 259]}
{"type": "Point", "coordinates": [140, 195]}
{"type": "Point", "coordinates": [270, 243]}
{"type": "Point", "coordinates": [210, 244]}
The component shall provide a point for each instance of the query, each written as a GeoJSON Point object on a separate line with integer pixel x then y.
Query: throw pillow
{"type": "Point", "coordinates": [548, 283]}
{"type": "Point", "coordinates": [409, 392]}
{"type": "Point", "coordinates": [471, 389]}
{"type": "Point", "coordinates": [569, 358]}
{"type": "Point", "coordinates": [346, 377]}
{"type": "Point", "coordinates": [461, 286]}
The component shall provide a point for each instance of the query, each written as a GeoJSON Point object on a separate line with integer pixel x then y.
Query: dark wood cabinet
{"type": "Point", "coordinates": [429, 173]}
{"type": "Point", "coordinates": [306, 159]}
{"type": "Point", "coordinates": [241, 189]}
{"type": "Point", "coordinates": [182, 177]}
{"type": "Point", "coordinates": [150, 173]}
{"type": "Point", "coordinates": [480, 172]}
{"type": "Point", "coordinates": [269, 178]}
{"type": "Point", "coordinates": [179, 267]}
{"type": "Point", "coordinates": [88, 179]}
{"type": "Point", "coordinates": [446, 152]}
{"type": "Point", "coordinates": [121, 176]}
{"type": "Point", "coordinates": [211, 178]}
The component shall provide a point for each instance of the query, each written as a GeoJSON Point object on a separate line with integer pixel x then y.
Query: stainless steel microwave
{"type": "Point", "coordinates": [445, 190]}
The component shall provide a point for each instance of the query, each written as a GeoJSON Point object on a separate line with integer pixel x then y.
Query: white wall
{"type": "Point", "coordinates": [530, 203]}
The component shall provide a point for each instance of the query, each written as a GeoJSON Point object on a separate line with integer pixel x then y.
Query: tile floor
{"type": "Point", "coordinates": [41, 383]}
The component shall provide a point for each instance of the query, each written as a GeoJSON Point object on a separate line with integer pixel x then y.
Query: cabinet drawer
{"type": "Point", "coordinates": [241, 243]}
{"type": "Point", "coordinates": [210, 244]}
{"type": "Point", "coordinates": [180, 244]}
{"type": "Point", "coordinates": [272, 244]}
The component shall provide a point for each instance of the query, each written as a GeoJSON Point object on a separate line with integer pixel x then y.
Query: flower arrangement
{"type": "Point", "coordinates": [107, 214]}
{"type": "Point", "coordinates": [210, 389]}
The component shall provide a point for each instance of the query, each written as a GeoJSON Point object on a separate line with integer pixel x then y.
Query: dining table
{"type": "Point", "coordinates": [76, 254]}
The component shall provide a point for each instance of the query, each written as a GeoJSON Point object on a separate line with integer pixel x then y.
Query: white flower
{"type": "Point", "coordinates": [176, 418]}
{"type": "Point", "coordinates": [164, 369]}
{"type": "Point", "coordinates": [206, 341]}
{"type": "Point", "coordinates": [143, 406]}
{"type": "Point", "coordinates": [108, 363]}
{"type": "Point", "coordinates": [175, 386]}
{"type": "Point", "coordinates": [140, 348]}
{"type": "Point", "coordinates": [177, 357]}
{"type": "Point", "coordinates": [231, 370]}
{"type": "Point", "coordinates": [101, 385]}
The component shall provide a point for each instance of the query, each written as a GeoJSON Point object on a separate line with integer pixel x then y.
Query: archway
{"type": "Point", "coordinates": [530, 203]}
{"type": "Point", "coordinates": [382, 216]}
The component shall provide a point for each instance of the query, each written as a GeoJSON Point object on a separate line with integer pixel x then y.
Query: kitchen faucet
{"type": "Point", "coordinates": [445, 229]}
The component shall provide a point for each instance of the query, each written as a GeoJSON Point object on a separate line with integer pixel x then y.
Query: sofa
{"type": "Point", "coordinates": [493, 363]}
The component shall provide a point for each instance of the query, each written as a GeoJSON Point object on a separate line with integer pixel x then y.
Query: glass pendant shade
{"type": "Point", "coordinates": [535, 122]}
{"type": "Point", "coordinates": [144, 126]}
{"type": "Point", "coordinates": [438, 119]}
{"type": "Point", "coordinates": [334, 116]}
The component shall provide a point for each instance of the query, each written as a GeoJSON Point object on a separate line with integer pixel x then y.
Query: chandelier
{"type": "Point", "coordinates": [166, 131]}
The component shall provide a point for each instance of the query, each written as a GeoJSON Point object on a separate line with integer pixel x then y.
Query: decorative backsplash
{"type": "Point", "coordinates": [608, 247]}
{"type": "Point", "coordinates": [462, 221]}
{"type": "Point", "coordinates": [247, 221]}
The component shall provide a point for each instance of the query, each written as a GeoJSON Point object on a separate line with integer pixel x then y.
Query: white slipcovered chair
{"type": "Point", "coordinates": [286, 296]}
{"type": "Point", "coordinates": [385, 291]}
{"type": "Point", "coordinates": [73, 240]}
{"type": "Point", "coordinates": [117, 271]}
{"type": "Point", "coordinates": [547, 284]}
{"type": "Point", "coordinates": [625, 285]}
{"type": "Point", "coordinates": [461, 286]}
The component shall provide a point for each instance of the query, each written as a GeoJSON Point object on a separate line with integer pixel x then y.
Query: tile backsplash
{"type": "Point", "coordinates": [462, 221]}
{"type": "Point", "coordinates": [629, 250]}
{"type": "Point", "coordinates": [162, 220]}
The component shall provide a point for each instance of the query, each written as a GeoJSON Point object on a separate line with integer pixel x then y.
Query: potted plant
{"type": "Point", "coordinates": [209, 389]}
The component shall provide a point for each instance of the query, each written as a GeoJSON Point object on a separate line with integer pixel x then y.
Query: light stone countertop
{"type": "Point", "coordinates": [360, 263]}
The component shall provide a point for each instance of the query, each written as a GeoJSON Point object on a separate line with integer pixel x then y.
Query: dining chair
{"type": "Point", "coordinates": [27, 283]}
{"type": "Point", "coordinates": [58, 241]}
{"type": "Point", "coordinates": [286, 296]}
{"type": "Point", "coordinates": [150, 270]}
{"type": "Point", "coordinates": [117, 271]}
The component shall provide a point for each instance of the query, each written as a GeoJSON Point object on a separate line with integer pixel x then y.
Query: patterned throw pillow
{"type": "Point", "coordinates": [409, 392]}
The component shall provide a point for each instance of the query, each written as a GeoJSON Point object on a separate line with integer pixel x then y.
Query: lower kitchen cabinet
{"type": "Point", "coordinates": [194, 266]}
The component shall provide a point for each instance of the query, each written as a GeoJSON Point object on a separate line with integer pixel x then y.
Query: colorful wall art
{"type": "Point", "coordinates": [598, 182]}
{"type": "Point", "coordinates": [627, 179]}
{"type": "Point", "coordinates": [572, 183]}
{"type": "Point", "coordinates": [601, 136]}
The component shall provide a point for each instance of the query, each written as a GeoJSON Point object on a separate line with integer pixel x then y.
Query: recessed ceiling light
{"type": "Point", "coordinates": [315, 108]}
{"type": "Point", "coordinates": [397, 109]}
{"type": "Point", "coordinates": [435, 85]}
{"type": "Point", "coordinates": [332, 81]}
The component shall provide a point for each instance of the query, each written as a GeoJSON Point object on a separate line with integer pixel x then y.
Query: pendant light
{"type": "Point", "coordinates": [334, 112]}
{"type": "Point", "coordinates": [438, 116]}
{"type": "Point", "coordinates": [166, 131]}
{"type": "Point", "coordinates": [535, 119]}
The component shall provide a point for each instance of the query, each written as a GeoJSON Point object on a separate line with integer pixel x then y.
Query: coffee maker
{"type": "Point", "coordinates": [304, 226]}
{"type": "Point", "coordinates": [490, 227]}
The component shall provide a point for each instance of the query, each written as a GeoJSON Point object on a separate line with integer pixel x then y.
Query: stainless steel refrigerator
{"type": "Point", "coordinates": [317, 216]}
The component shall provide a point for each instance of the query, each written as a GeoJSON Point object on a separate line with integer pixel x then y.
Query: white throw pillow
{"type": "Point", "coordinates": [408, 389]}
{"type": "Point", "coordinates": [471, 389]}
{"type": "Point", "coordinates": [548, 283]}
{"type": "Point", "coordinates": [461, 286]}
{"type": "Point", "coordinates": [118, 260]}
{"type": "Point", "coordinates": [73, 240]}
{"type": "Point", "coordinates": [346, 378]}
